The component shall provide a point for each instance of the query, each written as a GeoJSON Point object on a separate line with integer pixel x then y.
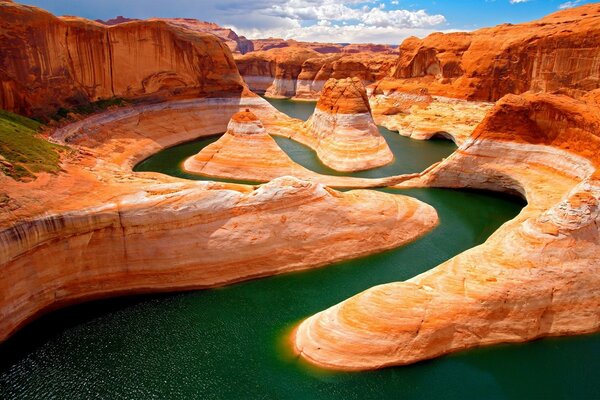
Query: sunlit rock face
{"type": "Point", "coordinates": [558, 52]}
{"type": "Point", "coordinates": [346, 136]}
{"type": "Point", "coordinates": [245, 151]}
{"type": "Point", "coordinates": [51, 62]}
{"type": "Point", "coordinates": [538, 275]}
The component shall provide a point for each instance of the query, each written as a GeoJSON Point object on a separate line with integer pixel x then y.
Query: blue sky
{"type": "Point", "coordinates": [355, 21]}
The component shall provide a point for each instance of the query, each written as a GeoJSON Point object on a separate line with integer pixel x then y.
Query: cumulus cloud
{"type": "Point", "coordinates": [327, 32]}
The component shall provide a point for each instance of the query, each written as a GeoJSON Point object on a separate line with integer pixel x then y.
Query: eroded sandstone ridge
{"type": "Point", "coordinates": [538, 275]}
{"type": "Point", "coordinates": [50, 62]}
{"type": "Point", "coordinates": [347, 138]}
{"type": "Point", "coordinates": [246, 151]}
{"type": "Point", "coordinates": [97, 229]}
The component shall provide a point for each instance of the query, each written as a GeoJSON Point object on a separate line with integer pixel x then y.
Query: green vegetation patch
{"type": "Point", "coordinates": [89, 108]}
{"type": "Point", "coordinates": [23, 153]}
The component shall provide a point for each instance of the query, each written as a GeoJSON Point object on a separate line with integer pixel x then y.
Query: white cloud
{"type": "Point", "coordinates": [569, 4]}
{"type": "Point", "coordinates": [518, 1]}
{"type": "Point", "coordinates": [359, 33]}
{"type": "Point", "coordinates": [354, 21]}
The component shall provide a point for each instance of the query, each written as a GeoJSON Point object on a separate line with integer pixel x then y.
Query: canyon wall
{"type": "Point", "coordinates": [558, 52]}
{"type": "Point", "coordinates": [538, 275]}
{"type": "Point", "coordinates": [52, 62]}
{"type": "Point", "coordinates": [300, 72]}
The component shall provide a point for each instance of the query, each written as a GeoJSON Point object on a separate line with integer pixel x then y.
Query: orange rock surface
{"type": "Point", "coordinates": [368, 67]}
{"type": "Point", "coordinates": [98, 229]}
{"type": "Point", "coordinates": [538, 275]}
{"type": "Point", "coordinates": [558, 52]}
{"type": "Point", "coordinates": [52, 62]}
{"type": "Point", "coordinates": [418, 115]}
{"type": "Point", "coordinates": [246, 151]}
{"type": "Point", "coordinates": [299, 71]}
{"type": "Point", "coordinates": [346, 136]}
{"type": "Point", "coordinates": [274, 72]}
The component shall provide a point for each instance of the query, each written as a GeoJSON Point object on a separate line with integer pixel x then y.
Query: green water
{"type": "Point", "coordinates": [230, 342]}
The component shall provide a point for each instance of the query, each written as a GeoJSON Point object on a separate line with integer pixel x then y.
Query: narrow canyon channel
{"type": "Point", "coordinates": [233, 342]}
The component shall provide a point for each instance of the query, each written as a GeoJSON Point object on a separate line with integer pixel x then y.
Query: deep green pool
{"type": "Point", "coordinates": [229, 343]}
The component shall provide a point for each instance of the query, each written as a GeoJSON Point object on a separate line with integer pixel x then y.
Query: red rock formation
{"type": "Point", "coordinates": [52, 62]}
{"type": "Point", "coordinates": [237, 44]}
{"type": "Point", "coordinates": [275, 43]}
{"type": "Point", "coordinates": [296, 71]}
{"type": "Point", "coordinates": [368, 67]}
{"type": "Point", "coordinates": [560, 51]}
{"type": "Point", "coordinates": [98, 229]}
{"type": "Point", "coordinates": [274, 72]}
{"type": "Point", "coordinates": [347, 138]}
{"type": "Point", "coordinates": [369, 48]}
{"type": "Point", "coordinates": [538, 275]}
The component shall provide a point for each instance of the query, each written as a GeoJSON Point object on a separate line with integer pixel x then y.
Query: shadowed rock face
{"type": "Point", "coordinates": [52, 62]}
{"type": "Point", "coordinates": [300, 72]}
{"type": "Point", "coordinates": [346, 136]}
{"type": "Point", "coordinates": [558, 52]}
{"type": "Point", "coordinates": [538, 275]}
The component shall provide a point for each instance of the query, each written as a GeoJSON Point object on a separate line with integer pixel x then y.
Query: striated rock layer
{"type": "Point", "coordinates": [347, 139]}
{"type": "Point", "coordinates": [97, 229]}
{"type": "Point", "coordinates": [300, 72]}
{"type": "Point", "coordinates": [52, 62]}
{"type": "Point", "coordinates": [418, 115]}
{"type": "Point", "coordinates": [558, 52]}
{"type": "Point", "coordinates": [246, 151]}
{"type": "Point", "coordinates": [538, 275]}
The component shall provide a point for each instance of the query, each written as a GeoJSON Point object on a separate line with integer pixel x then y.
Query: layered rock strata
{"type": "Point", "coordinates": [558, 52]}
{"type": "Point", "coordinates": [538, 275]}
{"type": "Point", "coordinates": [97, 229]}
{"type": "Point", "coordinates": [366, 66]}
{"type": "Point", "coordinates": [347, 138]}
{"type": "Point", "coordinates": [301, 72]}
{"type": "Point", "coordinates": [247, 152]}
{"type": "Point", "coordinates": [51, 62]}
{"type": "Point", "coordinates": [418, 115]}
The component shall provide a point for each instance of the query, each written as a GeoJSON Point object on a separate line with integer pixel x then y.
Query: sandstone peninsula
{"type": "Point", "coordinates": [536, 276]}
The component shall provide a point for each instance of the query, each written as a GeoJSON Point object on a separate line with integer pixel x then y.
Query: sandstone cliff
{"type": "Point", "coordinates": [538, 275]}
{"type": "Point", "coordinates": [560, 51]}
{"type": "Point", "coordinates": [52, 62]}
{"type": "Point", "coordinates": [346, 135]}
{"type": "Point", "coordinates": [300, 72]}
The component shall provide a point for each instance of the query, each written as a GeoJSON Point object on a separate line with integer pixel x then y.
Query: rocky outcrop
{"type": "Point", "coordinates": [246, 151]}
{"type": "Point", "coordinates": [97, 229]}
{"type": "Point", "coordinates": [276, 43]}
{"type": "Point", "coordinates": [52, 62]}
{"type": "Point", "coordinates": [237, 44]}
{"type": "Point", "coordinates": [558, 52]}
{"type": "Point", "coordinates": [346, 136]}
{"type": "Point", "coordinates": [274, 72]}
{"type": "Point", "coordinates": [368, 67]}
{"type": "Point", "coordinates": [418, 115]}
{"type": "Point", "coordinates": [300, 72]}
{"type": "Point", "coordinates": [538, 275]}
